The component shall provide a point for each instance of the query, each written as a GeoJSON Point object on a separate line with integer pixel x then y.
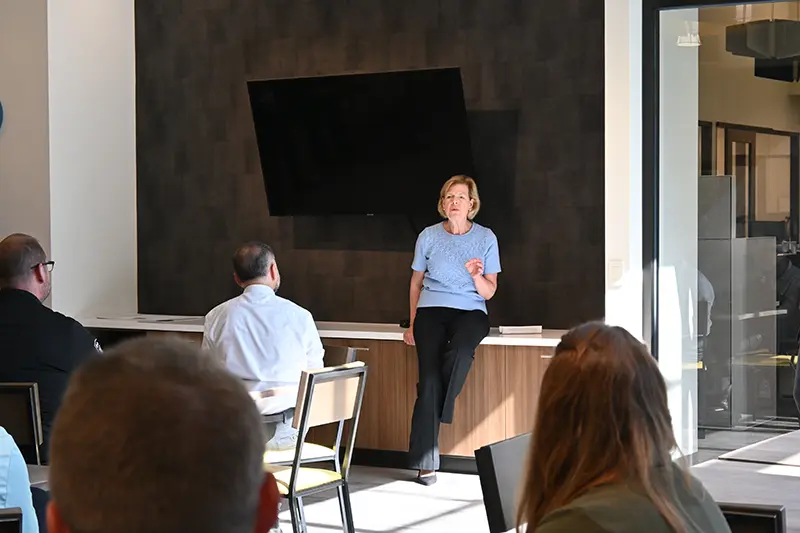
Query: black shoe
{"type": "Point", "coordinates": [427, 480]}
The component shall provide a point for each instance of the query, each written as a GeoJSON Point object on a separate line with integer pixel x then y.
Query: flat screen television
{"type": "Point", "coordinates": [360, 144]}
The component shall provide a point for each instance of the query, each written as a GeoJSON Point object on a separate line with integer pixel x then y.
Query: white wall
{"type": "Point", "coordinates": [623, 162]}
{"type": "Point", "coordinates": [24, 162]}
{"type": "Point", "coordinates": [93, 155]}
{"type": "Point", "coordinates": [68, 147]}
{"type": "Point", "coordinates": [623, 214]}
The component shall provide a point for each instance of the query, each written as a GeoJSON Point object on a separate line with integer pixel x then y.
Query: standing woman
{"type": "Point", "coordinates": [455, 269]}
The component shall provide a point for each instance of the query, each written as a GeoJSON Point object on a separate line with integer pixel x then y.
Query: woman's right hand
{"type": "Point", "coordinates": [408, 335]}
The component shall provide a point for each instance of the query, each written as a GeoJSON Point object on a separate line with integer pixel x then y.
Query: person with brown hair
{"type": "Point", "coordinates": [39, 345]}
{"type": "Point", "coordinates": [157, 437]}
{"type": "Point", "coordinates": [600, 459]}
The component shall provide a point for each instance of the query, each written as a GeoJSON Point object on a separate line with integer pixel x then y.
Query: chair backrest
{"type": "Point", "coordinates": [11, 520]}
{"type": "Point", "coordinates": [340, 355]}
{"type": "Point", "coordinates": [326, 396]}
{"type": "Point", "coordinates": [752, 518]}
{"type": "Point", "coordinates": [20, 413]}
{"type": "Point", "coordinates": [330, 394]}
{"type": "Point", "coordinates": [500, 469]}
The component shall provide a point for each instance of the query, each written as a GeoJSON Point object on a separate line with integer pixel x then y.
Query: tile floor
{"type": "Point", "coordinates": [386, 501]}
{"type": "Point", "coordinates": [717, 443]}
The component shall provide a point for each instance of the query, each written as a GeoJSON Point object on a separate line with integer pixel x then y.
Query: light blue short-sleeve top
{"type": "Point", "coordinates": [442, 255]}
{"type": "Point", "coordinates": [15, 485]}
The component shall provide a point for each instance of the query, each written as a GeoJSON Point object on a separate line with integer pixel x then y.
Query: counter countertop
{"type": "Point", "coordinates": [327, 330]}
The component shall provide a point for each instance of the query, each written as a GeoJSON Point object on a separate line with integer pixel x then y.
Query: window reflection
{"type": "Point", "coordinates": [729, 271]}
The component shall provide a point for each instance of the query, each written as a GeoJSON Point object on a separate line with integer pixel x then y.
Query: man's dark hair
{"type": "Point", "coordinates": [252, 260]}
{"type": "Point", "coordinates": [19, 253]}
{"type": "Point", "coordinates": [156, 436]}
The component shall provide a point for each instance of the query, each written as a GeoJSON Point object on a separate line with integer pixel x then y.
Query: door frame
{"type": "Point", "coordinates": [707, 148]}
{"type": "Point", "coordinates": [794, 169]}
{"type": "Point", "coordinates": [732, 135]}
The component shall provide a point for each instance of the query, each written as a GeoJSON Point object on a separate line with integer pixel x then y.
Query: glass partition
{"type": "Point", "coordinates": [728, 279]}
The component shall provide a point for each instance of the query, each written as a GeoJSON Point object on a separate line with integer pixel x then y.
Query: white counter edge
{"type": "Point", "coordinates": [327, 330]}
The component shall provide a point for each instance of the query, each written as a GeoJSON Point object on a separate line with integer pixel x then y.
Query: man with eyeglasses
{"type": "Point", "coordinates": [37, 344]}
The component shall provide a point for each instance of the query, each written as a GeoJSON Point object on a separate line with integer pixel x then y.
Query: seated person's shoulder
{"type": "Point", "coordinates": [62, 321]}
{"type": "Point", "coordinates": [611, 509]}
{"type": "Point", "coordinates": [622, 509]}
{"type": "Point", "coordinates": [218, 311]}
{"type": "Point", "coordinates": [5, 437]}
{"type": "Point", "coordinates": [8, 446]}
{"type": "Point", "coordinates": [74, 331]}
{"type": "Point", "coordinates": [295, 310]}
{"type": "Point", "coordinates": [569, 520]}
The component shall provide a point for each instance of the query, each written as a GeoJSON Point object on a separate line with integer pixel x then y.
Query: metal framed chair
{"type": "Point", "coordinates": [21, 416]}
{"type": "Point", "coordinates": [312, 452]}
{"type": "Point", "coordinates": [326, 396]}
{"type": "Point", "coordinates": [11, 520]}
{"type": "Point", "coordinates": [754, 518]}
{"type": "Point", "coordinates": [340, 355]}
{"type": "Point", "coordinates": [500, 475]}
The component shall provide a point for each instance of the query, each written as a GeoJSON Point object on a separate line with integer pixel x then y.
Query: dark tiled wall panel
{"type": "Point", "coordinates": [533, 81]}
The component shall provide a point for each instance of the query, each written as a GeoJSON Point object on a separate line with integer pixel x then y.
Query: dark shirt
{"type": "Point", "coordinates": [41, 346]}
{"type": "Point", "coordinates": [626, 509]}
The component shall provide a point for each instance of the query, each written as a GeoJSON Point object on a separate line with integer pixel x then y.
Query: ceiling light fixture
{"type": "Point", "coordinates": [691, 39]}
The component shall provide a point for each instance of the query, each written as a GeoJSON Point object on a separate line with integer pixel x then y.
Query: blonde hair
{"type": "Point", "coordinates": [602, 419]}
{"type": "Point", "coordinates": [473, 194]}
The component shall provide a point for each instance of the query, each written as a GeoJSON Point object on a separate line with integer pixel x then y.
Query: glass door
{"type": "Point", "coordinates": [727, 195]}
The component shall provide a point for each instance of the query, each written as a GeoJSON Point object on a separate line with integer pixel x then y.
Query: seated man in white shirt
{"type": "Point", "coordinates": [264, 339]}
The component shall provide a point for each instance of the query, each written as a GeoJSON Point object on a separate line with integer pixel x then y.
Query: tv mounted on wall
{"type": "Point", "coordinates": [378, 143]}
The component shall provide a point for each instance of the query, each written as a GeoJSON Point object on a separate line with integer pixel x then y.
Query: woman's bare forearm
{"type": "Point", "coordinates": [414, 291]}
{"type": "Point", "coordinates": [413, 300]}
{"type": "Point", "coordinates": [486, 285]}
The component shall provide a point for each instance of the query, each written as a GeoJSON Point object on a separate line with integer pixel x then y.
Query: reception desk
{"type": "Point", "coordinates": [497, 402]}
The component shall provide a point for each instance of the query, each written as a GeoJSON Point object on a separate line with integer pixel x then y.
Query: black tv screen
{"type": "Point", "coordinates": [381, 143]}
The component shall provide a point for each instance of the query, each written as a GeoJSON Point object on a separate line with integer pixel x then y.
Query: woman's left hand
{"type": "Point", "coordinates": [474, 267]}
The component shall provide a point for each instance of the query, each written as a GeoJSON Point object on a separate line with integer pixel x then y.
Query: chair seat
{"type": "Point", "coordinates": [307, 478]}
{"type": "Point", "coordinates": [38, 475]}
{"type": "Point", "coordinates": [272, 418]}
{"type": "Point", "coordinates": [311, 452]}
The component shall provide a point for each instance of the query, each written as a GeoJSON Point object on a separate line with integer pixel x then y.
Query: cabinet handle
{"type": "Point", "coordinates": [546, 356]}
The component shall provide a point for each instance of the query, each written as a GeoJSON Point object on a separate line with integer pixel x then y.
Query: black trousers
{"type": "Point", "coordinates": [446, 339]}
{"type": "Point", "coordinates": [40, 500]}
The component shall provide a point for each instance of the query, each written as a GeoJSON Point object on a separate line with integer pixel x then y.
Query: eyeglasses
{"type": "Point", "coordinates": [49, 265]}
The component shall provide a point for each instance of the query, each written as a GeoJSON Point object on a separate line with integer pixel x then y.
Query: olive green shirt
{"type": "Point", "coordinates": [626, 509]}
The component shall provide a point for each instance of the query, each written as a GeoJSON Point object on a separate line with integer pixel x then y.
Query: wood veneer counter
{"type": "Point", "coordinates": [327, 330]}
{"type": "Point", "coordinates": [497, 402]}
